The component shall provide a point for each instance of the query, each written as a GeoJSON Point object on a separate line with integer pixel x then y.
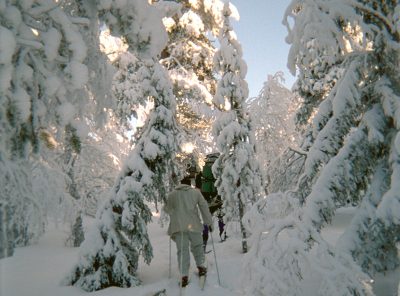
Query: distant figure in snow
{"type": "Point", "coordinates": [221, 224]}
{"type": "Point", "coordinates": [185, 226]}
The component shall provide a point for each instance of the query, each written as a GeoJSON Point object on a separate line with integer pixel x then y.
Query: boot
{"type": "Point", "coordinates": [184, 281]}
{"type": "Point", "coordinates": [202, 270]}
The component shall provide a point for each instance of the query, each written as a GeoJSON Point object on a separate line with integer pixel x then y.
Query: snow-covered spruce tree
{"type": "Point", "coordinates": [21, 216]}
{"type": "Point", "coordinates": [373, 246]}
{"type": "Point", "coordinates": [44, 47]}
{"type": "Point", "coordinates": [42, 72]}
{"type": "Point", "coordinates": [314, 55]}
{"type": "Point", "coordinates": [45, 53]}
{"type": "Point", "coordinates": [89, 14]}
{"type": "Point", "coordinates": [47, 179]}
{"type": "Point", "coordinates": [123, 26]}
{"type": "Point", "coordinates": [52, 85]}
{"type": "Point", "coordinates": [110, 253]}
{"type": "Point", "coordinates": [122, 22]}
{"type": "Point", "coordinates": [368, 91]}
{"type": "Point", "coordinates": [99, 162]}
{"type": "Point", "coordinates": [354, 152]}
{"type": "Point", "coordinates": [69, 155]}
{"type": "Point", "coordinates": [236, 170]}
{"type": "Point", "coordinates": [188, 56]}
{"type": "Point", "coordinates": [317, 58]}
{"type": "Point", "coordinates": [272, 115]}
{"type": "Point", "coordinates": [128, 91]}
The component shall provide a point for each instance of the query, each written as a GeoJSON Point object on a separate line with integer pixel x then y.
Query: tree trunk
{"type": "Point", "coordinates": [242, 229]}
{"type": "Point", "coordinates": [77, 233]}
{"type": "Point", "coordinates": [6, 238]}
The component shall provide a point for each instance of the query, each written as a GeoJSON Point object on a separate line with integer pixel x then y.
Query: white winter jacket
{"type": "Point", "coordinates": [183, 207]}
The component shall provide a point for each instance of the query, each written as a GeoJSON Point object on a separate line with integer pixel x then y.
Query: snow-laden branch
{"type": "Point", "coordinates": [379, 16]}
{"type": "Point", "coordinates": [31, 43]}
{"type": "Point", "coordinates": [45, 7]}
{"type": "Point", "coordinates": [298, 151]}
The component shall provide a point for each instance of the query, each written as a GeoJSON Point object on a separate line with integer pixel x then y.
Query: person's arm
{"type": "Point", "coordinates": [168, 205]}
{"type": "Point", "coordinates": [204, 210]}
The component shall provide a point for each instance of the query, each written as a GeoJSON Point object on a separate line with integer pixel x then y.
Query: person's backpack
{"type": "Point", "coordinates": [208, 180]}
{"type": "Point", "coordinates": [208, 188]}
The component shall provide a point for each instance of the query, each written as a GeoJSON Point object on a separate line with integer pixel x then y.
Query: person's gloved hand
{"type": "Point", "coordinates": [210, 229]}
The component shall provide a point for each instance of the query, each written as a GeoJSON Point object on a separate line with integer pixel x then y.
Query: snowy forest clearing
{"type": "Point", "coordinates": [66, 107]}
{"type": "Point", "coordinates": [37, 270]}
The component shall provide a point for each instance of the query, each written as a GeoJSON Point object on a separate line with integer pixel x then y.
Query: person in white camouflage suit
{"type": "Point", "coordinates": [185, 227]}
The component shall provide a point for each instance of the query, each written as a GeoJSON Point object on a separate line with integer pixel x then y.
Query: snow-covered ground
{"type": "Point", "coordinates": [37, 270]}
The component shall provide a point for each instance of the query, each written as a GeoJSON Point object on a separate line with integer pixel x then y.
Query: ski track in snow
{"type": "Point", "coordinates": [38, 269]}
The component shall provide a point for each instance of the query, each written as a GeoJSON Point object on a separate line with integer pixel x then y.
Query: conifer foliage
{"type": "Point", "coordinates": [236, 171]}
{"type": "Point", "coordinates": [188, 56]}
{"type": "Point", "coordinates": [352, 155]}
{"type": "Point", "coordinates": [42, 71]}
{"type": "Point", "coordinates": [110, 253]}
{"type": "Point", "coordinates": [49, 86]}
{"type": "Point", "coordinates": [355, 131]}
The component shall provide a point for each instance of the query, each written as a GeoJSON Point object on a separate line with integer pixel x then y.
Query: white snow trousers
{"type": "Point", "coordinates": [182, 240]}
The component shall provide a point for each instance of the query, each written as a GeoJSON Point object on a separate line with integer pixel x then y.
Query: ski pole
{"type": "Point", "coordinates": [181, 266]}
{"type": "Point", "coordinates": [215, 258]}
{"type": "Point", "coordinates": [169, 270]}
